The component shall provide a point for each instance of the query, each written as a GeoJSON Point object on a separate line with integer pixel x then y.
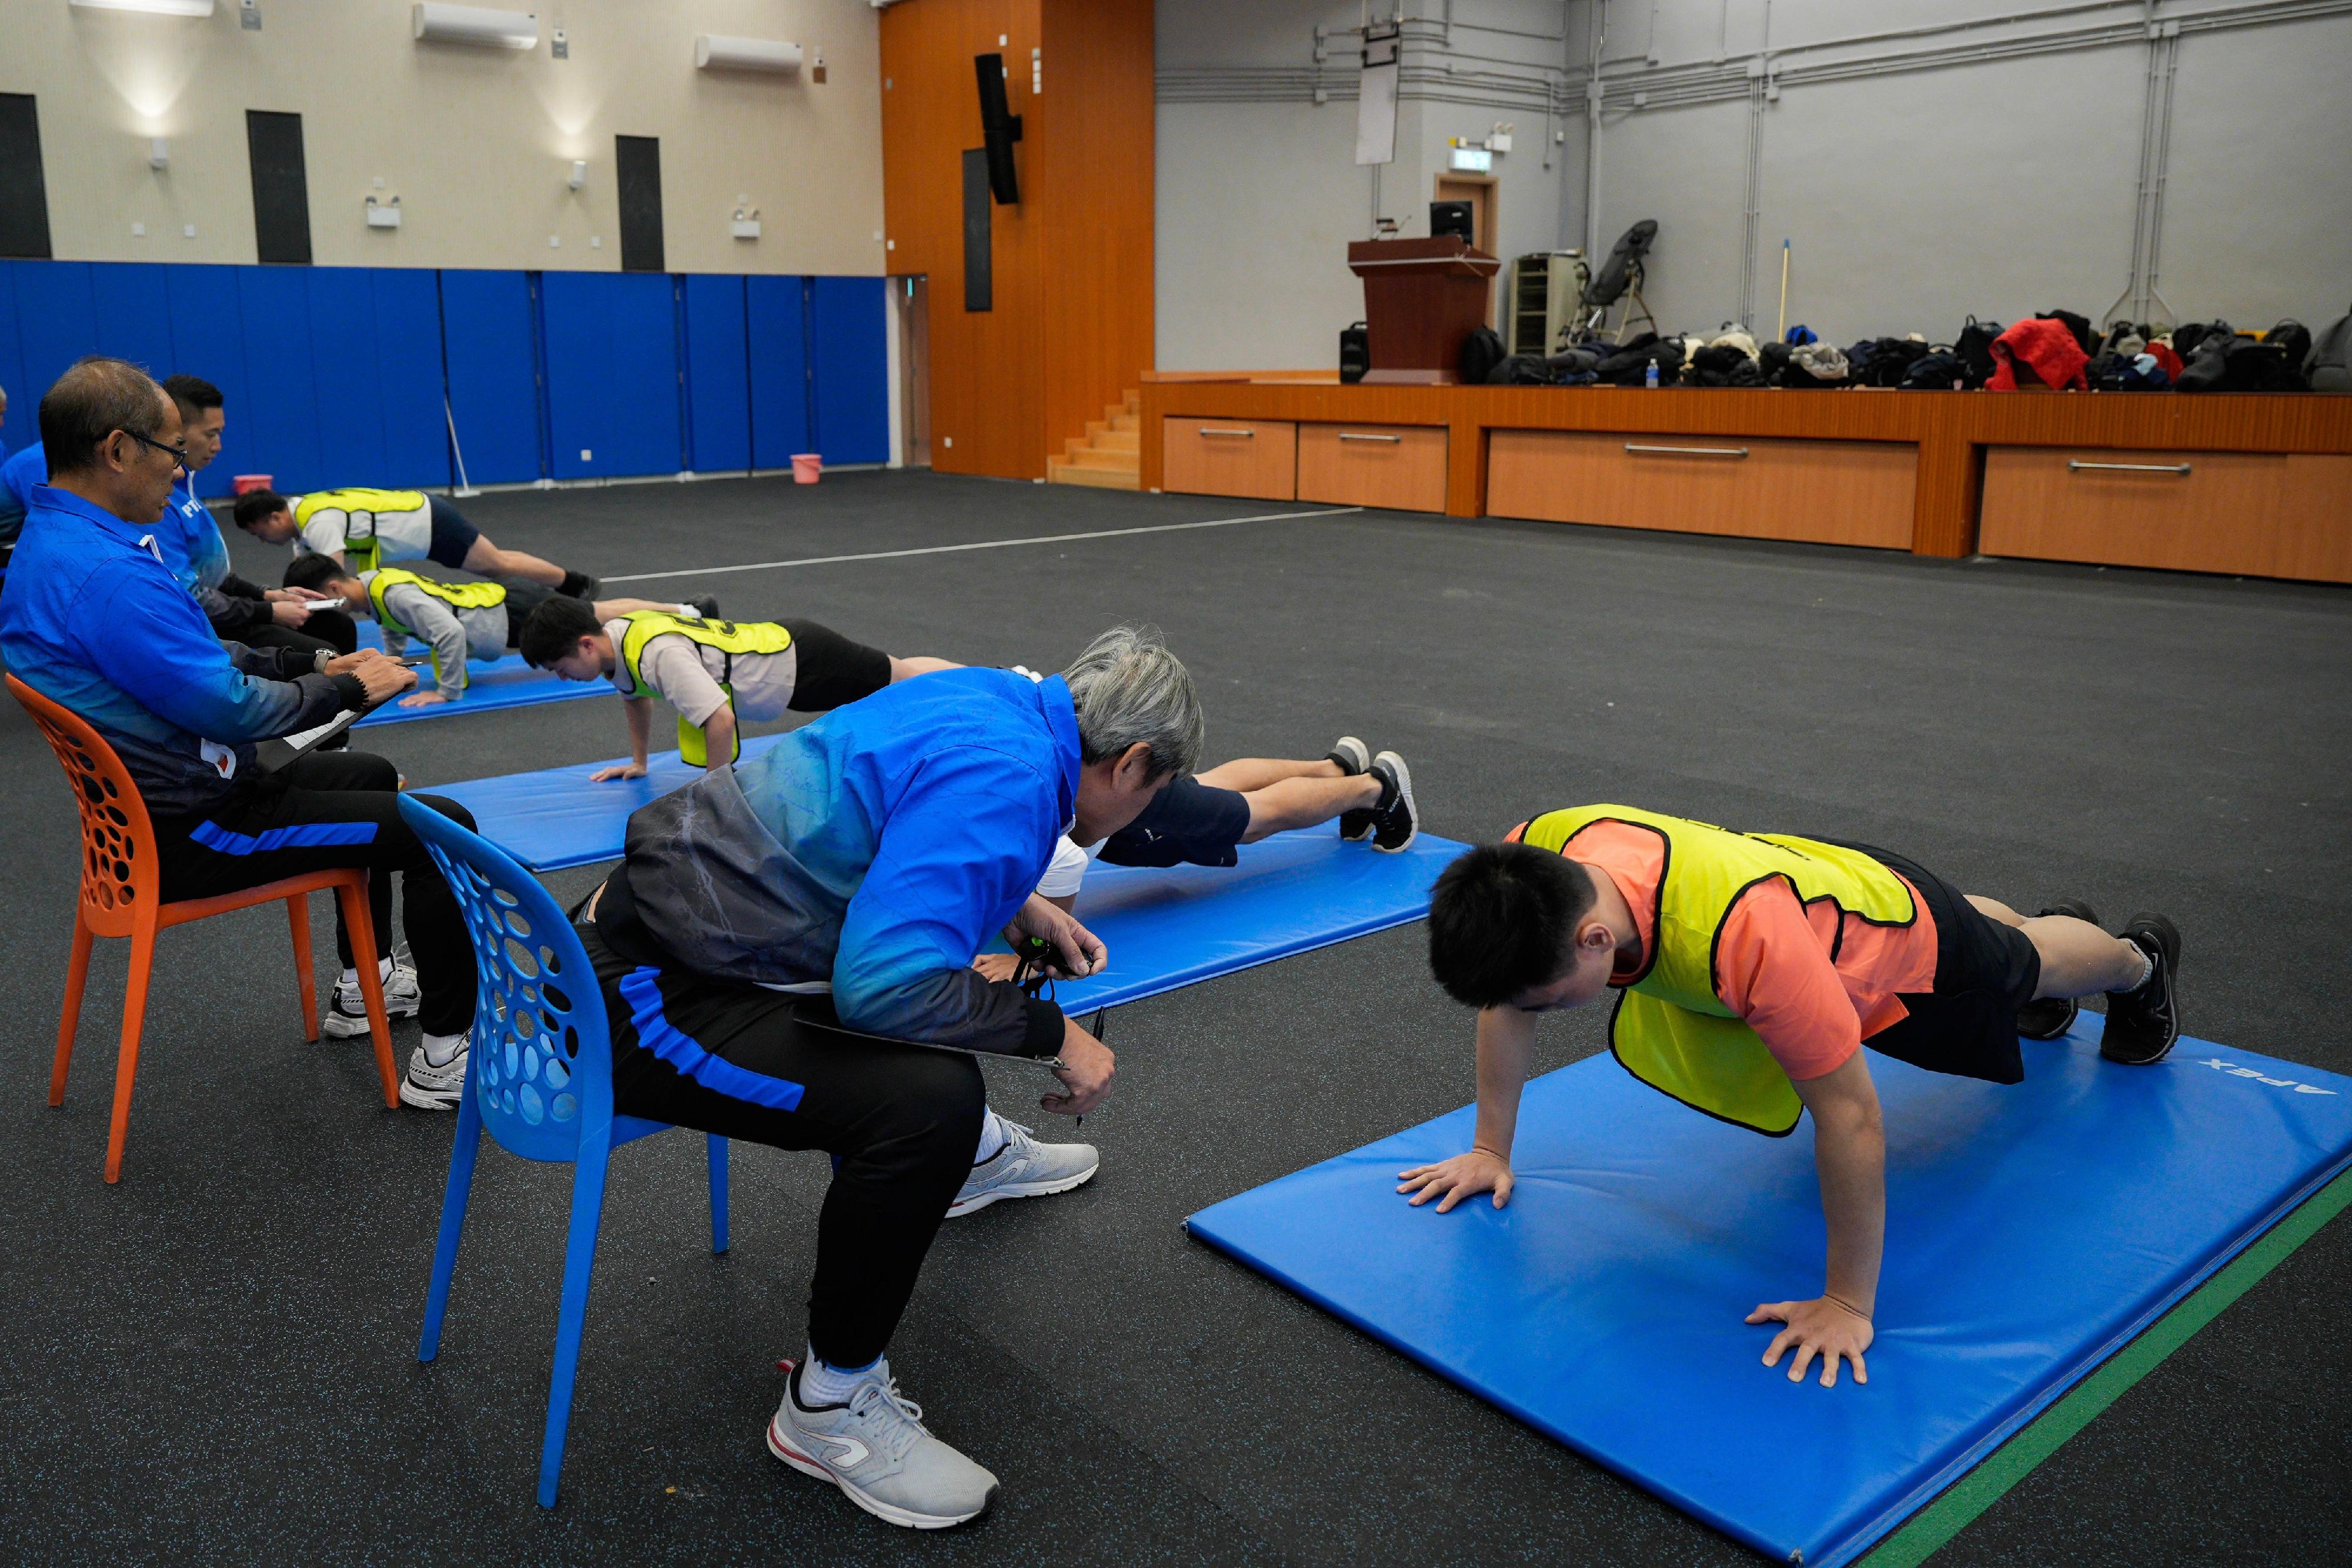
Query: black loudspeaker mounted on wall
{"type": "Point", "coordinates": [1453, 218]}
{"type": "Point", "coordinates": [1355, 352]}
{"type": "Point", "coordinates": [1000, 127]}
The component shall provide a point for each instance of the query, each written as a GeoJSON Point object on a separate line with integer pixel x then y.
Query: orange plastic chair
{"type": "Point", "coordinates": [121, 897]}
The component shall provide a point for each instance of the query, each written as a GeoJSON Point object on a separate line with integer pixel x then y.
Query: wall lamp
{"type": "Point", "coordinates": [579, 178]}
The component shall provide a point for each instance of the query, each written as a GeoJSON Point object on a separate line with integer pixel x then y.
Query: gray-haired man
{"type": "Point", "coordinates": [870, 855]}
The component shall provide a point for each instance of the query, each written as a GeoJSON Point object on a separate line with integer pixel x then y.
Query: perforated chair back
{"type": "Point", "coordinates": [120, 871]}
{"type": "Point", "coordinates": [541, 1066]}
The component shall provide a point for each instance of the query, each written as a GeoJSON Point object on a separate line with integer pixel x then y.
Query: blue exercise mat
{"type": "Point", "coordinates": [552, 817]}
{"type": "Point", "coordinates": [2032, 1231]}
{"type": "Point", "coordinates": [501, 683]}
{"type": "Point", "coordinates": [1293, 892]}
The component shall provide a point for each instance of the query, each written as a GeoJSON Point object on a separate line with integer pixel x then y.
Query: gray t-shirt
{"type": "Point", "coordinates": [686, 673]}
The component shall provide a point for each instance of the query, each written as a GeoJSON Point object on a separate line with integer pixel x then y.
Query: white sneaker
{"type": "Point", "coordinates": [346, 1016]}
{"type": "Point", "coordinates": [1025, 1168]}
{"type": "Point", "coordinates": [877, 1449]}
{"type": "Point", "coordinates": [431, 1088]}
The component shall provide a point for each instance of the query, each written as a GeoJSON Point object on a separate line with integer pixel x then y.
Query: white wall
{"type": "Point", "coordinates": [477, 143]}
{"type": "Point", "coordinates": [1259, 194]}
{"type": "Point", "coordinates": [1966, 156]}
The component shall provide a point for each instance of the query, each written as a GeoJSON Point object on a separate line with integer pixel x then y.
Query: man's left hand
{"type": "Point", "coordinates": [1078, 951]}
{"type": "Point", "coordinates": [423, 699]}
{"type": "Point", "coordinates": [996, 967]}
{"type": "Point", "coordinates": [1824, 1326]}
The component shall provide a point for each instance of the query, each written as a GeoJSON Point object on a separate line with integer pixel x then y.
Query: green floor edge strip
{"type": "Point", "coordinates": [1978, 1491]}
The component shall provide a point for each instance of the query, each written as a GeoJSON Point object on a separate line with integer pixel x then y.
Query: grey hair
{"type": "Point", "coordinates": [98, 396]}
{"type": "Point", "coordinates": [1128, 688]}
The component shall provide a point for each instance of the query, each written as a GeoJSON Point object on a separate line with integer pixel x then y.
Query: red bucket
{"type": "Point", "coordinates": [806, 466]}
{"type": "Point", "coordinates": [246, 484]}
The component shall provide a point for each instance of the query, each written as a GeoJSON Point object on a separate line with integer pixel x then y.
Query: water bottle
{"type": "Point", "coordinates": [1650, 376]}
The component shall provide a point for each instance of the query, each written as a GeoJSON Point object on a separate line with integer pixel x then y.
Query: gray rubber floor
{"type": "Point", "coordinates": [214, 1362]}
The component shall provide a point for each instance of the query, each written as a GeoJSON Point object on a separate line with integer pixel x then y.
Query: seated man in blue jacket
{"type": "Point", "coordinates": [93, 620]}
{"type": "Point", "coordinates": [870, 855]}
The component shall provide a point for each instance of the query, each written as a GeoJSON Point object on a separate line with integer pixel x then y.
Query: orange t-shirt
{"type": "Point", "coordinates": [1810, 980]}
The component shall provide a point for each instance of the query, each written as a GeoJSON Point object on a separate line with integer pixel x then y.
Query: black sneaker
{"type": "Point", "coordinates": [706, 605]}
{"type": "Point", "coordinates": [578, 585]}
{"type": "Point", "coordinates": [1395, 824]}
{"type": "Point", "coordinates": [2143, 1024]}
{"type": "Point", "coordinates": [1354, 758]}
{"type": "Point", "coordinates": [2047, 1018]}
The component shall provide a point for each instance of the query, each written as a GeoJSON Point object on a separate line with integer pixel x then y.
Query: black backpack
{"type": "Point", "coordinates": [1974, 346]}
{"type": "Point", "coordinates": [2078, 325]}
{"type": "Point", "coordinates": [1482, 351]}
{"type": "Point", "coordinates": [1355, 352]}
{"type": "Point", "coordinates": [1889, 361]}
{"type": "Point", "coordinates": [2293, 339]}
{"type": "Point", "coordinates": [1939, 370]}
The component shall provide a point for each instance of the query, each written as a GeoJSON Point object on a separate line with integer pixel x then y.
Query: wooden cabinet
{"type": "Point", "coordinates": [1399, 466]}
{"type": "Point", "coordinates": [1828, 492]}
{"type": "Point", "coordinates": [2259, 514]}
{"type": "Point", "coordinates": [1257, 458]}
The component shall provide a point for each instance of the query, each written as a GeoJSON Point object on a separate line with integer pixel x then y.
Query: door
{"type": "Point", "coordinates": [1479, 191]}
{"type": "Point", "coordinates": [910, 298]}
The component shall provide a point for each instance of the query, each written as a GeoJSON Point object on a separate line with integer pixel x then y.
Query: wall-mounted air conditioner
{"type": "Point", "coordinates": [713, 52]}
{"type": "Point", "coordinates": [479, 25]}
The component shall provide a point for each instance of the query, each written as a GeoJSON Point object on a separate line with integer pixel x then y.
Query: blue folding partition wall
{"type": "Point", "coordinates": [777, 331]}
{"type": "Point", "coordinates": [613, 385]}
{"type": "Point", "coordinates": [489, 343]}
{"type": "Point", "coordinates": [718, 373]}
{"type": "Point", "coordinates": [337, 375]}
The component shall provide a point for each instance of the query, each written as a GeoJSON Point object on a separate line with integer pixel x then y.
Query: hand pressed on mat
{"type": "Point", "coordinates": [1824, 1326]}
{"type": "Point", "coordinates": [1462, 1176]}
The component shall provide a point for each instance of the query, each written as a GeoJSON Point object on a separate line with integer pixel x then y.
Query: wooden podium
{"type": "Point", "coordinates": [1422, 297]}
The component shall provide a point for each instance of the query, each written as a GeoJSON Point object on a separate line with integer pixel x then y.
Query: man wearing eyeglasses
{"type": "Point", "coordinates": [93, 618]}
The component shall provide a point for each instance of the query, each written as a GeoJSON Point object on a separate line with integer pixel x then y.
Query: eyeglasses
{"type": "Point", "coordinates": [178, 455]}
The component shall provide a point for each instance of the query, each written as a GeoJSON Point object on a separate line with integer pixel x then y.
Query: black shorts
{"type": "Point", "coordinates": [523, 596]}
{"type": "Point", "coordinates": [1985, 971]}
{"type": "Point", "coordinates": [1188, 823]}
{"type": "Point", "coordinates": [833, 672]}
{"type": "Point", "coordinates": [453, 536]}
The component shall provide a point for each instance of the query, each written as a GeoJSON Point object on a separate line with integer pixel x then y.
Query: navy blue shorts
{"type": "Point", "coordinates": [1188, 823]}
{"type": "Point", "coordinates": [453, 536]}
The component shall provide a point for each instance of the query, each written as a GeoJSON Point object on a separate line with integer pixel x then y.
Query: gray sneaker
{"type": "Point", "coordinates": [346, 1014]}
{"type": "Point", "coordinates": [431, 1088]}
{"type": "Point", "coordinates": [1025, 1168]}
{"type": "Point", "coordinates": [877, 1449]}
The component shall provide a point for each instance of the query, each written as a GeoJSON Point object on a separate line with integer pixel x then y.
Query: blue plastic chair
{"type": "Point", "coordinates": [540, 1077]}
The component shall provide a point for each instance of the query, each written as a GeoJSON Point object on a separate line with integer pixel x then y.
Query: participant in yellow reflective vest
{"type": "Point", "coordinates": [716, 673]}
{"type": "Point", "coordinates": [360, 528]}
{"type": "Point", "coordinates": [1750, 970]}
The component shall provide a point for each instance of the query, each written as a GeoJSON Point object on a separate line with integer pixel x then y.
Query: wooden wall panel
{"type": "Point", "coordinates": [1826, 492]}
{"type": "Point", "coordinates": [1097, 179]}
{"type": "Point", "coordinates": [987, 367]}
{"type": "Point", "coordinates": [1072, 326]}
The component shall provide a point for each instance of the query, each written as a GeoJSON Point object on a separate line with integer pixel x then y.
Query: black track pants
{"type": "Point", "coordinates": [334, 808]}
{"type": "Point", "coordinates": [902, 1122]}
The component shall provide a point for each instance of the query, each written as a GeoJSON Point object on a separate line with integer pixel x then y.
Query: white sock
{"type": "Point", "coordinates": [689, 610]}
{"type": "Point", "coordinates": [823, 1385]}
{"type": "Point", "coordinates": [992, 1140]}
{"type": "Point", "coordinates": [351, 976]}
{"type": "Point", "coordinates": [440, 1048]}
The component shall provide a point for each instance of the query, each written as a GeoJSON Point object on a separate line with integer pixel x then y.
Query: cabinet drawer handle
{"type": "Point", "coordinates": [2074, 466]}
{"type": "Point", "coordinates": [1351, 435]}
{"type": "Point", "coordinates": [1206, 431]}
{"type": "Point", "coordinates": [1691, 451]}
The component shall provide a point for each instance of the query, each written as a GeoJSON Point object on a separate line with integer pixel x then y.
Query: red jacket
{"type": "Point", "coordinates": [2048, 348]}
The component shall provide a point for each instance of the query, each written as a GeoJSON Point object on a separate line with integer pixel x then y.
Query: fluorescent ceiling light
{"type": "Point", "coordinates": [150, 7]}
{"type": "Point", "coordinates": [714, 52]}
{"type": "Point", "coordinates": [475, 25]}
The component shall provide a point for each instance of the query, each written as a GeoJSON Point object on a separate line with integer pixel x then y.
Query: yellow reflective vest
{"type": "Point", "coordinates": [360, 507]}
{"type": "Point", "coordinates": [1671, 1030]}
{"type": "Point", "coordinates": [456, 595]}
{"type": "Point", "coordinates": [730, 637]}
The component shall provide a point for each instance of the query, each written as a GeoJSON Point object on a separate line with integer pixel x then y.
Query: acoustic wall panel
{"type": "Point", "coordinates": [852, 365]}
{"type": "Point", "coordinates": [777, 325]}
{"type": "Point", "coordinates": [282, 380]}
{"type": "Point", "coordinates": [22, 427]}
{"type": "Point", "coordinates": [489, 345]}
{"type": "Point", "coordinates": [407, 356]}
{"type": "Point", "coordinates": [718, 375]}
{"type": "Point", "coordinates": [208, 341]}
{"type": "Point", "coordinates": [612, 374]}
{"type": "Point", "coordinates": [345, 392]}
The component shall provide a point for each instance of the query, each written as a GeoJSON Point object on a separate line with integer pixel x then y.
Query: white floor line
{"type": "Point", "coordinates": [981, 544]}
